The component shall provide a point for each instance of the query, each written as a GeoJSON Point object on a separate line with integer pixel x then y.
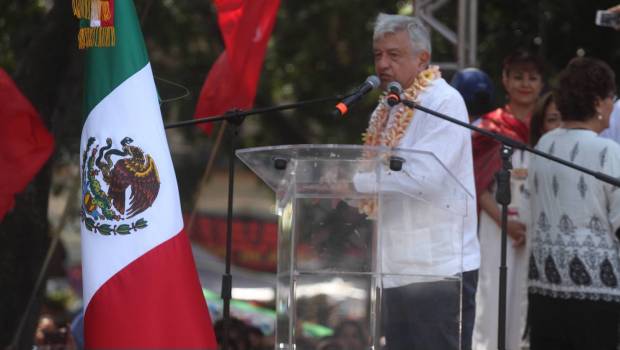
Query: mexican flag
{"type": "Point", "coordinates": [141, 288]}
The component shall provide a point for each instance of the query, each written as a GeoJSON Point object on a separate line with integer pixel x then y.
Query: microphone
{"type": "Point", "coordinates": [343, 107]}
{"type": "Point", "coordinates": [394, 91]}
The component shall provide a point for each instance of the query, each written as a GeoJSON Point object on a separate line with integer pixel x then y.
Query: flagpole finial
{"type": "Point", "coordinates": [97, 23]}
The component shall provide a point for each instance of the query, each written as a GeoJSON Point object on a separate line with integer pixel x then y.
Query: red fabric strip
{"type": "Point", "coordinates": [486, 150]}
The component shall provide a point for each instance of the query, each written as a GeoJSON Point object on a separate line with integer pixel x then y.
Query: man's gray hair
{"type": "Point", "coordinates": [418, 33]}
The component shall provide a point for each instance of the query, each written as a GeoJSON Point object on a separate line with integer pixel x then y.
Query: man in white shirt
{"type": "Point", "coordinates": [421, 315]}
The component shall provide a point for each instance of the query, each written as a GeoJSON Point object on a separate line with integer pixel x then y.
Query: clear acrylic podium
{"type": "Point", "coordinates": [338, 261]}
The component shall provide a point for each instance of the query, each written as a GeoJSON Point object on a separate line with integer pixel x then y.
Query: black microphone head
{"type": "Point", "coordinates": [395, 87]}
{"type": "Point", "coordinates": [342, 108]}
{"type": "Point", "coordinates": [373, 80]}
{"type": "Point", "coordinates": [394, 90]}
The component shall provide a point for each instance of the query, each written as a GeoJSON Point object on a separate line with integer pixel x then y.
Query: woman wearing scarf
{"type": "Point", "coordinates": [522, 80]}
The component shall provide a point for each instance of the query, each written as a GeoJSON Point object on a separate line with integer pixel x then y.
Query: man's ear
{"type": "Point", "coordinates": [425, 58]}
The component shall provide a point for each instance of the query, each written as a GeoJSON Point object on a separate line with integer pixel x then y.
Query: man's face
{"type": "Point", "coordinates": [395, 59]}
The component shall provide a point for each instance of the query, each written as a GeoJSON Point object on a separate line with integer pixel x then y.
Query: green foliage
{"type": "Point", "coordinates": [26, 16]}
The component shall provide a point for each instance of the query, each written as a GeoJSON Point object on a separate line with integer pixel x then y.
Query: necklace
{"type": "Point", "coordinates": [385, 131]}
{"type": "Point", "coordinates": [382, 133]}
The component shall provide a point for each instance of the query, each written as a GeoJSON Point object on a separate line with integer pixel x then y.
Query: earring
{"type": "Point", "coordinates": [600, 117]}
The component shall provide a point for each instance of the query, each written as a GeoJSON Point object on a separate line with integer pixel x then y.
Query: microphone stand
{"type": "Point", "coordinates": [236, 117]}
{"type": "Point", "coordinates": [503, 196]}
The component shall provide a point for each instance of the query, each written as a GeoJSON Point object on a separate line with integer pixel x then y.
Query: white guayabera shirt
{"type": "Point", "coordinates": [428, 242]}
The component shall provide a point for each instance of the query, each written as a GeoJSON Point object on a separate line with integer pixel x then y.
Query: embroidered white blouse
{"type": "Point", "coordinates": [574, 252]}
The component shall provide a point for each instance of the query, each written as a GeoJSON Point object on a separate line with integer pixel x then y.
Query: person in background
{"type": "Point", "coordinates": [574, 260]}
{"type": "Point", "coordinates": [477, 90]}
{"type": "Point", "coordinates": [237, 333]}
{"type": "Point", "coordinates": [351, 335]}
{"type": "Point", "coordinates": [545, 118]}
{"type": "Point", "coordinates": [52, 334]}
{"type": "Point", "coordinates": [613, 131]}
{"type": "Point", "coordinates": [522, 77]}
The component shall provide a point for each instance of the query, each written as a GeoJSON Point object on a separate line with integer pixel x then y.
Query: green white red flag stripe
{"type": "Point", "coordinates": [141, 288]}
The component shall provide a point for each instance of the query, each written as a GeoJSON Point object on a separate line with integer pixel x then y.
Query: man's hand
{"type": "Point", "coordinates": [615, 9]}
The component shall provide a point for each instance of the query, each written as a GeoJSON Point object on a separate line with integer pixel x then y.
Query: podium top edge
{"type": "Point", "coordinates": [376, 149]}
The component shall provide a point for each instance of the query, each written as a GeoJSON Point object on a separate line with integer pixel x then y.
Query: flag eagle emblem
{"type": "Point", "coordinates": [104, 211]}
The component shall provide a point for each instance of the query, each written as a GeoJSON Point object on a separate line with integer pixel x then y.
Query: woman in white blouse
{"type": "Point", "coordinates": [574, 263]}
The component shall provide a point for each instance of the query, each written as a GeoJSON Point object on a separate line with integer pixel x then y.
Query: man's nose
{"type": "Point", "coordinates": [381, 62]}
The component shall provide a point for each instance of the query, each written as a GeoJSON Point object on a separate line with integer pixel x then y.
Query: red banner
{"type": "Point", "coordinates": [254, 242]}
{"type": "Point", "coordinates": [246, 26]}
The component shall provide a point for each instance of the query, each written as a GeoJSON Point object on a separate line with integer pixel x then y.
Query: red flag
{"type": "Point", "coordinates": [25, 143]}
{"type": "Point", "coordinates": [246, 26]}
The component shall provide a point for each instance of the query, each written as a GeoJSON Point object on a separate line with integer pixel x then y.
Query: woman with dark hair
{"type": "Point", "coordinates": [545, 118]}
{"type": "Point", "coordinates": [574, 252]}
{"type": "Point", "coordinates": [522, 80]}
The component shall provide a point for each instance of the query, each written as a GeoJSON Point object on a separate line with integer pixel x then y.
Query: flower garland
{"type": "Point", "coordinates": [383, 131]}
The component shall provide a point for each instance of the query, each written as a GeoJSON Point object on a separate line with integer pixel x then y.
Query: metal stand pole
{"type": "Point", "coordinates": [502, 196]}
